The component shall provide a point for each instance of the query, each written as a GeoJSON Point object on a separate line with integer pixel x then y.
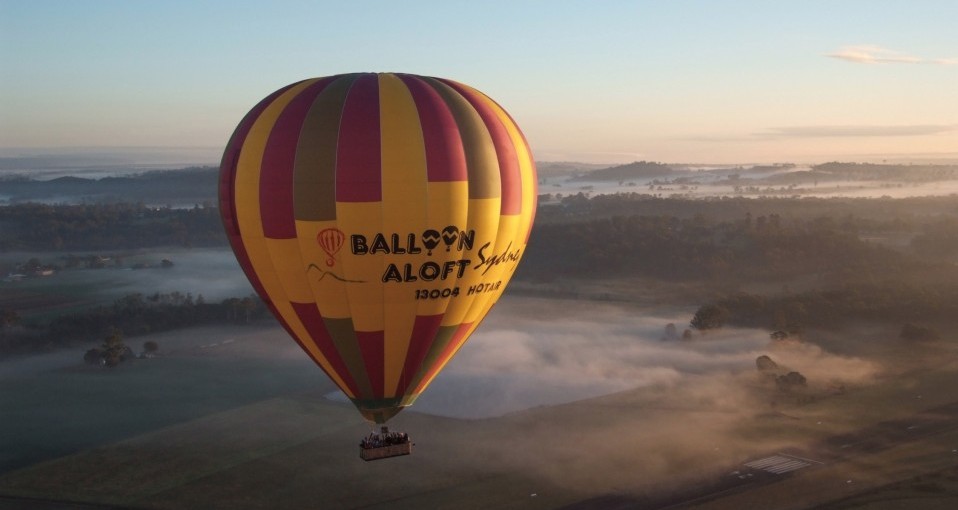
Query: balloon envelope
{"type": "Point", "coordinates": [379, 216]}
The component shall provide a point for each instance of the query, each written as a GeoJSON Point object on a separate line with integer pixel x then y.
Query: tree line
{"type": "Point", "coordinates": [87, 227]}
{"type": "Point", "coordinates": [896, 213]}
{"type": "Point", "coordinates": [764, 248]}
{"type": "Point", "coordinates": [107, 227]}
{"type": "Point", "coordinates": [828, 242]}
{"type": "Point", "coordinates": [914, 306]}
{"type": "Point", "coordinates": [185, 185]}
{"type": "Point", "coordinates": [134, 315]}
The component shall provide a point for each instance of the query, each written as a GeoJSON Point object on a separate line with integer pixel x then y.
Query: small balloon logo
{"type": "Point", "coordinates": [330, 240]}
{"type": "Point", "coordinates": [430, 238]}
{"type": "Point", "coordinates": [449, 236]}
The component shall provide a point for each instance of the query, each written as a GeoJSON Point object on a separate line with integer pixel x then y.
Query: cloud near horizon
{"type": "Point", "coordinates": [872, 54]}
{"type": "Point", "coordinates": [857, 131]}
{"type": "Point", "coordinates": [833, 131]}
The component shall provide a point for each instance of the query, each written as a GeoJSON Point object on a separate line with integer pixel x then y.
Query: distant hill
{"type": "Point", "coordinates": [546, 168]}
{"type": "Point", "coordinates": [891, 173]}
{"type": "Point", "coordinates": [871, 171]}
{"type": "Point", "coordinates": [639, 170]}
{"type": "Point", "coordinates": [185, 186]}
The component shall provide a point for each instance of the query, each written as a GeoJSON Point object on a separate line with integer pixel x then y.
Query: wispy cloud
{"type": "Point", "coordinates": [833, 131]}
{"type": "Point", "coordinates": [857, 131]}
{"type": "Point", "coordinates": [871, 54]}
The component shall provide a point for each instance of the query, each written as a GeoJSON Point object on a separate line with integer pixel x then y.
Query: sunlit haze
{"type": "Point", "coordinates": [681, 81]}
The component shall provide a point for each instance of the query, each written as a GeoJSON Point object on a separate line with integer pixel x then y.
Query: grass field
{"type": "Point", "coordinates": [54, 404]}
{"type": "Point", "coordinates": [301, 450]}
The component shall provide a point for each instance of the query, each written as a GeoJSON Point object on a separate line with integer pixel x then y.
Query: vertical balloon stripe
{"type": "Point", "coordinates": [245, 184]}
{"type": "Point", "coordinates": [482, 165]}
{"type": "Point", "coordinates": [246, 190]}
{"type": "Point", "coordinates": [228, 168]}
{"type": "Point", "coordinates": [509, 172]}
{"type": "Point", "coordinates": [276, 178]}
{"type": "Point", "coordinates": [445, 158]}
{"type": "Point", "coordinates": [249, 167]}
{"type": "Point", "coordinates": [484, 221]}
{"type": "Point", "coordinates": [517, 179]}
{"type": "Point", "coordinates": [443, 337]}
{"type": "Point", "coordinates": [459, 335]}
{"type": "Point", "coordinates": [344, 337]}
{"type": "Point", "coordinates": [404, 198]}
{"type": "Point", "coordinates": [530, 192]}
{"type": "Point", "coordinates": [483, 188]}
{"type": "Point", "coordinates": [372, 351]}
{"type": "Point", "coordinates": [358, 164]}
{"type": "Point", "coordinates": [314, 176]}
{"type": "Point", "coordinates": [462, 334]}
{"type": "Point", "coordinates": [527, 166]}
{"type": "Point", "coordinates": [507, 239]}
{"type": "Point", "coordinates": [314, 196]}
{"type": "Point", "coordinates": [424, 334]}
{"type": "Point", "coordinates": [359, 212]}
{"type": "Point", "coordinates": [313, 321]}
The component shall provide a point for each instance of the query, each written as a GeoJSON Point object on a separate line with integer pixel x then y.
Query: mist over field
{"type": "Point", "coordinates": [210, 272]}
{"type": "Point", "coordinates": [530, 353]}
{"type": "Point", "coordinates": [536, 352]}
{"type": "Point", "coordinates": [214, 273]}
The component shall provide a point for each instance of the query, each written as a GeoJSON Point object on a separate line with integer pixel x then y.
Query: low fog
{"type": "Point", "coordinates": [212, 272]}
{"type": "Point", "coordinates": [533, 352]}
{"type": "Point", "coordinates": [589, 396]}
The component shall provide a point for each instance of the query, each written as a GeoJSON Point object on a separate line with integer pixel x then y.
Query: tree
{"type": "Point", "coordinates": [791, 381]}
{"type": "Point", "coordinates": [765, 364]}
{"type": "Point", "coordinates": [150, 347]}
{"type": "Point", "coordinates": [114, 350]}
{"type": "Point", "coordinates": [709, 317]}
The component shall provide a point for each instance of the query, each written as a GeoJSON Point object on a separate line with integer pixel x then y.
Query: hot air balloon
{"type": "Point", "coordinates": [379, 216]}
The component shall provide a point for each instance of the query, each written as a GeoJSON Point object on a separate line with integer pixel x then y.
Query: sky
{"type": "Point", "coordinates": [603, 82]}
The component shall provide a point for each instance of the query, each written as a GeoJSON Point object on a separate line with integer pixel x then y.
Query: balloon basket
{"type": "Point", "coordinates": [385, 452]}
{"type": "Point", "coordinates": [385, 445]}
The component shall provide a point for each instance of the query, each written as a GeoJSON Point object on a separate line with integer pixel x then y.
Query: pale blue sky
{"type": "Point", "coordinates": [606, 81]}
